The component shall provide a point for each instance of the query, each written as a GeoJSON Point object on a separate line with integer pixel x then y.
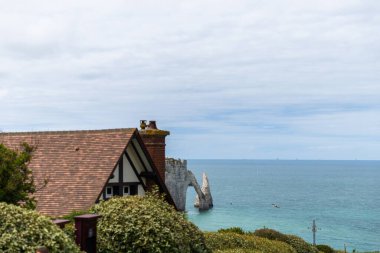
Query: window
{"type": "Point", "coordinates": [115, 190]}
{"type": "Point", "coordinates": [133, 190]}
{"type": "Point", "coordinates": [109, 192]}
{"type": "Point", "coordinates": [126, 190]}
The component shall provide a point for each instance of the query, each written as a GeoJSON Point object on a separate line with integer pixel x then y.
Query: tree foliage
{"type": "Point", "coordinates": [16, 180]}
{"type": "Point", "coordinates": [23, 230]}
{"type": "Point", "coordinates": [138, 224]}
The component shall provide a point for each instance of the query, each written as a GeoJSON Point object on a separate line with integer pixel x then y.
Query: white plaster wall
{"type": "Point", "coordinates": [140, 190]}
{"type": "Point", "coordinates": [129, 175]}
{"type": "Point", "coordinates": [116, 176]}
{"type": "Point", "coordinates": [136, 161]}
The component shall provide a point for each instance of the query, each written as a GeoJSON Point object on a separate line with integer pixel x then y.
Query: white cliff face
{"type": "Point", "coordinates": [178, 178]}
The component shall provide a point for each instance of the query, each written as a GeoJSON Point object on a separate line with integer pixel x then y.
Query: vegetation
{"type": "Point", "coordinates": [73, 214]}
{"type": "Point", "coordinates": [235, 230]}
{"type": "Point", "coordinates": [128, 224]}
{"type": "Point", "coordinates": [23, 230]}
{"type": "Point", "coordinates": [271, 234]}
{"type": "Point", "coordinates": [229, 242]}
{"type": "Point", "coordinates": [300, 245]}
{"type": "Point", "coordinates": [325, 249]}
{"type": "Point", "coordinates": [16, 180]}
{"type": "Point", "coordinates": [69, 228]}
{"type": "Point", "coordinates": [145, 224]}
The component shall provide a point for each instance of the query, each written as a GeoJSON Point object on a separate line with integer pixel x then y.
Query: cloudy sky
{"type": "Point", "coordinates": [230, 79]}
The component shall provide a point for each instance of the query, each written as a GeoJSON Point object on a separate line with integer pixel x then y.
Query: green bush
{"type": "Point", "coordinates": [71, 216]}
{"type": "Point", "coordinates": [235, 230]}
{"type": "Point", "coordinates": [145, 224]}
{"type": "Point", "coordinates": [300, 245]}
{"type": "Point", "coordinates": [69, 228]}
{"type": "Point", "coordinates": [238, 243]}
{"type": "Point", "coordinates": [325, 249]}
{"type": "Point", "coordinates": [271, 234]}
{"type": "Point", "coordinates": [238, 251]}
{"type": "Point", "coordinates": [24, 230]}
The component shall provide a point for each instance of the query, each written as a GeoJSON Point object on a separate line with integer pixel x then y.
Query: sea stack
{"type": "Point", "coordinates": [207, 202]}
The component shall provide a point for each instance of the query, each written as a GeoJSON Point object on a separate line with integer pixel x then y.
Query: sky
{"type": "Point", "coordinates": [240, 79]}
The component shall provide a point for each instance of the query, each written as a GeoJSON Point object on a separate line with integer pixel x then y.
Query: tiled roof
{"type": "Point", "coordinates": [77, 165]}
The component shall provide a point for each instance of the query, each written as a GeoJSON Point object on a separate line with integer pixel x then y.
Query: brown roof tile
{"type": "Point", "coordinates": [76, 163]}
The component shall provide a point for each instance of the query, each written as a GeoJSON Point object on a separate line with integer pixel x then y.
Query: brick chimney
{"type": "Point", "coordinates": [154, 140]}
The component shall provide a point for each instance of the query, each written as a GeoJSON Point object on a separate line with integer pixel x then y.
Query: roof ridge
{"type": "Point", "coordinates": [69, 131]}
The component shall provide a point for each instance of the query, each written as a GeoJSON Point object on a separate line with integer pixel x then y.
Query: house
{"type": "Point", "coordinates": [83, 167]}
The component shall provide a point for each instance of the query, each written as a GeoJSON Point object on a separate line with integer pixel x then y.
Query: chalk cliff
{"type": "Point", "coordinates": [178, 178]}
{"type": "Point", "coordinates": [207, 202]}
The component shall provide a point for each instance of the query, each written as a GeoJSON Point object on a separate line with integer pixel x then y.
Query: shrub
{"type": "Point", "coordinates": [69, 228]}
{"type": "Point", "coordinates": [235, 230]}
{"type": "Point", "coordinates": [300, 245]}
{"type": "Point", "coordinates": [325, 249]}
{"type": "Point", "coordinates": [271, 234]}
{"type": "Point", "coordinates": [145, 224]}
{"type": "Point", "coordinates": [233, 242]}
{"type": "Point", "coordinates": [71, 216]}
{"type": "Point", "coordinates": [238, 251]}
{"type": "Point", "coordinates": [24, 230]}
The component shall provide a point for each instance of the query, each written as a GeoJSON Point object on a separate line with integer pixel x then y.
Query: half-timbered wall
{"type": "Point", "coordinates": [128, 176]}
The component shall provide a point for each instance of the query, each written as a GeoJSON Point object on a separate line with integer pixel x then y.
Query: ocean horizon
{"type": "Point", "coordinates": [343, 196]}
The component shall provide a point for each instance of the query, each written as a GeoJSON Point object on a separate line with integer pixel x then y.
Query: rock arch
{"type": "Point", "coordinates": [178, 178]}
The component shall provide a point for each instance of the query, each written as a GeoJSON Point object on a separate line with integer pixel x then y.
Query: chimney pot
{"type": "Point", "coordinates": [143, 124]}
{"type": "Point", "coordinates": [154, 140]}
{"type": "Point", "coordinates": [152, 124]}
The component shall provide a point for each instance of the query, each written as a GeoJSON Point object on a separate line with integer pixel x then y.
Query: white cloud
{"type": "Point", "coordinates": [3, 92]}
{"type": "Point", "coordinates": [87, 64]}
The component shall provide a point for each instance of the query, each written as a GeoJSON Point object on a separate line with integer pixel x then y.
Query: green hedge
{"type": "Point", "coordinates": [238, 251]}
{"type": "Point", "coordinates": [325, 248]}
{"type": "Point", "coordinates": [271, 234]}
{"type": "Point", "coordinates": [236, 230]}
{"type": "Point", "coordinates": [300, 245]}
{"type": "Point", "coordinates": [24, 230]}
{"type": "Point", "coordinates": [69, 228]}
{"type": "Point", "coordinates": [145, 224]}
{"type": "Point", "coordinates": [241, 243]}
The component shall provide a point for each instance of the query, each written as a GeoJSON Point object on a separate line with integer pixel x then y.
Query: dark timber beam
{"type": "Point", "coordinates": [148, 174]}
{"type": "Point", "coordinates": [121, 177]}
{"type": "Point", "coordinates": [138, 155]}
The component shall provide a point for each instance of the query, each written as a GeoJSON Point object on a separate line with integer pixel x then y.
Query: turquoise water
{"type": "Point", "coordinates": [343, 197]}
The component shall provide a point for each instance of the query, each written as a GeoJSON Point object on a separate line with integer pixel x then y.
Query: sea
{"type": "Point", "coordinates": [343, 197]}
